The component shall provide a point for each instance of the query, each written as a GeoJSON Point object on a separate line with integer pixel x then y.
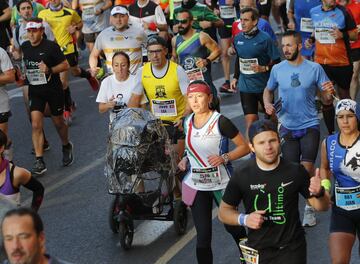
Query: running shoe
{"type": "Point", "coordinates": [225, 88]}
{"type": "Point", "coordinates": [94, 83]}
{"type": "Point", "coordinates": [39, 167]}
{"type": "Point", "coordinates": [309, 216]}
{"type": "Point", "coordinates": [67, 117]}
{"type": "Point", "coordinates": [46, 147]}
{"type": "Point", "coordinates": [68, 157]}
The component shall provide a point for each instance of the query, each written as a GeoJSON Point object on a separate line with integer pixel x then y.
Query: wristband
{"type": "Point", "coordinates": [321, 193]}
{"type": "Point", "coordinates": [152, 26]}
{"type": "Point", "coordinates": [242, 219]}
{"type": "Point", "coordinates": [326, 183]}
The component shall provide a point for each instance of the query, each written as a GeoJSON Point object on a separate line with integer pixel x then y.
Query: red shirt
{"type": "Point", "coordinates": [354, 9]}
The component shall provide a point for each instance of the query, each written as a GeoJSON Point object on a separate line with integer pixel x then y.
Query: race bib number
{"type": "Point", "coordinates": [245, 65]}
{"type": "Point", "coordinates": [206, 177]}
{"type": "Point", "coordinates": [250, 255]}
{"type": "Point", "coordinates": [227, 12]}
{"type": "Point", "coordinates": [306, 25]}
{"type": "Point", "coordinates": [323, 36]}
{"type": "Point", "coordinates": [36, 77]}
{"type": "Point", "coordinates": [195, 74]}
{"type": "Point", "coordinates": [161, 108]}
{"type": "Point", "coordinates": [348, 198]}
{"type": "Point", "coordinates": [88, 13]}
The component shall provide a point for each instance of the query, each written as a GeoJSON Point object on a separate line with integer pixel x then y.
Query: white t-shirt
{"type": "Point", "coordinates": [93, 23]}
{"type": "Point", "coordinates": [5, 65]}
{"type": "Point", "coordinates": [121, 90]}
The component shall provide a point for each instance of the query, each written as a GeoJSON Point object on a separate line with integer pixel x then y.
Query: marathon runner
{"type": "Point", "coordinates": [12, 177]}
{"type": "Point", "coordinates": [339, 158]}
{"type": "Point", "coordinates": [94, 18]}
{"type": "Point", "coordinates": [256, 53]}
{"type": "Point", "coordinates": [43, 62]}
{"type": "Point", "coordinates": [333, 29]}
{"type": "Point", "coordinates": [269, 187]}
{"type": "Point", "coordinates": [298, 81]}
{"type": "Point", "coordinates": [208, 155]}
{"type": "Point", "coordinates": [64, 22]}
{"type": "Point", "coordinates": [194, 50]}
{"type": "Point", "coordinates": [121, 36]}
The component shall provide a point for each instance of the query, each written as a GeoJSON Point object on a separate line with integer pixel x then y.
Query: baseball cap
{"type": "Point", "coordinates": [198, 87]}
{"type": "Point", "coordinates": [261, 126]}
{"type": "Point", "coordinates": [156, 40]}
{"type": "Point", "coordinates": [119, 10]}
{"type": "Point", "coordinates": [348, 105]}
{"type": "Point", "coordinates": [34, 24]}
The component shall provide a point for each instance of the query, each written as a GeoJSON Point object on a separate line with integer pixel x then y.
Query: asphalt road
{"type": "Point", "coordinates": [76, 204]}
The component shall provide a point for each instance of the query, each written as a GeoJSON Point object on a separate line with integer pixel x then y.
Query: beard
{"type": "Point", "coordinates": [183, 31]}
{"type": "Point", "coordinates": [293, 56]}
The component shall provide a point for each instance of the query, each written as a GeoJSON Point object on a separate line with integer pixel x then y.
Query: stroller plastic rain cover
{"type": "Point", "coordinates": [137, 144]}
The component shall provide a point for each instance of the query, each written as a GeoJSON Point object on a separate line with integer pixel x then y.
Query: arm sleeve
{"type": "Point", "coordinates": [272, 83]}
{"type": "Point", "coordinates": [304, 183]}
{"type": "Point", "coordinates": [227, 128]}
{"type": "Point", "coordinates": [237, 68]}
{"type": "Point", "coordinates": [38, 192]}
{"type": "Point", "coordinates": [183, 79]}
{"type": "Point", "coordinates": [5, 61]}
{"type": "Point", "coordinates": [232, 195]}
{"type": "Point", "coordinates": [349, 20]}
{"type": "Point", "coordinates": [102, 97]}
{"type": "Point", "coordinates": [138, 88]}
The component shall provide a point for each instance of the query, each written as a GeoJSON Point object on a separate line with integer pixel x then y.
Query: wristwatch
{"type": "Point", "coordinates": [225, 157]}
{"type": "Point", "coordinates": [321, 193]}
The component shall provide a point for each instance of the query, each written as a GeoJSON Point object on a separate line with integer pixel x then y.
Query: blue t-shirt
{"type": "Point", "coordinates": [297, 88]}
{"type": "Point", "coordinates": [260, 47]}
{"type": "Point", "coordinates": [265, 26]}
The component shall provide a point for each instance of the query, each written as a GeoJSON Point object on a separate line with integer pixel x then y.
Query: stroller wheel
{"type": "Point", "coordinates": [113, 212]}
{"type": "Point", "coordinates": [180, 217]}
{"type": "Point", "coordinates": [126, 234]}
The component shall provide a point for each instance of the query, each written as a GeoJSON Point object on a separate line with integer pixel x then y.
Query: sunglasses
{"type": "Point", "coordinates": [183, 21]}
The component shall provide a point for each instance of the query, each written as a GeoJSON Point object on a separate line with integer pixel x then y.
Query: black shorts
{"type": "Point", "coordinates": [264, 10]}
{"type": "Point", "coordinates": [298, 148]}
{"type": "Point", "coordinates": [54, 97]}
{"type": "Point", "coordinates": [355, 54]}
{"type": "Point", "coordinates": [4, 117]}
{"type": "Point", "coordinates": [72, 58]}
{"type": "Point", "coordinates": [174, 133]}
{"type": "Point", "coordinates": [249, 102]}
{"type": "Point", "coordinates": [225, 32]}
{"type": "Point", "coordinates": [295, 251]}
{"type": "Point", "coordinates": [90, 37]}
{"type": "Point", "coordinates": [341, 75]}
{"type": "Point", "coordinates": [344, 221]}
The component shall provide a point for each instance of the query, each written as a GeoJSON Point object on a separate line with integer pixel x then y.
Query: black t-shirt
{"type": "Point", "coordinates": [47, 51]}
{"type": "Point", "coordinates": [227, 128]}
{"type": "Point", "coordinates": [277, 192]}
{"type": "Point", "coordinates": [4, 27]}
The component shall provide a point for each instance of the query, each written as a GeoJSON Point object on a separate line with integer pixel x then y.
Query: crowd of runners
{"type": "Point", "coordinates": [158, 55]}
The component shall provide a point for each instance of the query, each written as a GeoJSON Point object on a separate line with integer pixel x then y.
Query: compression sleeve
{"type": "Point", "coordinates": [38, 192]}
{"type": "Point", "coordinates": [237, 68]}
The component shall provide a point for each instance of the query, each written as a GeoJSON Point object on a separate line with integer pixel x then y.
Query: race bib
{"type": "Point", "coordinates": [88, 13]}
{"type": "Point", "coordinates": [250, 255]}
{"type": "Point", "coordinates": [348, 198]}
{"type": "Point", "coordinates": [245, 65]}
{"type": "Point", "coordinates": [195, 74]}
{"type": "Point", "coordinates": [206, 177]}
{"type": "Point", "coordinates": [306, 25]}
{"type": "Point", "coordinates": [36, 77]}
{"type": "Point", "coordinates": [323, 36]}
{"type": "Point", "coordinates": [161, 108]}
{"type": "Point", "coordinates": [227, 12]}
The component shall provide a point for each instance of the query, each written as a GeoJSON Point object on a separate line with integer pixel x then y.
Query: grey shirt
{"type": "Point", "coordinates": [5, 65]}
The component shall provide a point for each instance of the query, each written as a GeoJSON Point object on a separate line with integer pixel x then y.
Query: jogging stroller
{"type": "Point", "coordinates": [140, 172]}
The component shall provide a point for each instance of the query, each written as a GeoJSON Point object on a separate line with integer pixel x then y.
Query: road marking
{"type": "Point", "coordinates": [72, 176]}
{"type": "Point", "coordinates": [174, 249]}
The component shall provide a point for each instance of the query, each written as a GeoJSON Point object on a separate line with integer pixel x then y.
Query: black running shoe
{"type": "Point", "coordinates": [39, 167]}
{"type": "Point", "coordinates": [68, 157]}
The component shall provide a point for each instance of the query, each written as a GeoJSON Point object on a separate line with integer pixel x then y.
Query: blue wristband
{"type": "Point", "coordinates": [242, 219]}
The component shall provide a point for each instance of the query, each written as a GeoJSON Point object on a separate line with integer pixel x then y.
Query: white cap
{"type": "Point", "coordinates": [119, 10]}
{"type": "Point", "coordinates": [33, 24]}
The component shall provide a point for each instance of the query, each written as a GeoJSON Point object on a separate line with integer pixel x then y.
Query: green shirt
{"type": "Point", "coordinates": [200, 12]}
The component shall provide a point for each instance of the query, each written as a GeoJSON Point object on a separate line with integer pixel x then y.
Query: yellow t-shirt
{"type": "Point", "coordinates": [164, 94]}
{"type": "Point", "coordinates": [59, 22]}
